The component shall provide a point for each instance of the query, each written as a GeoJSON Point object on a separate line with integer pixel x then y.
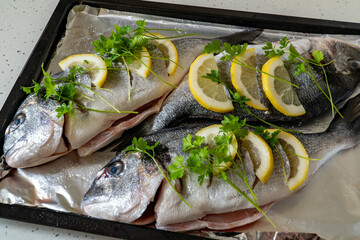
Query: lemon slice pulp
{"type": "Point", "coordinates": [260, 154]}
{"type": "Point", "coordinates": [299, 166]}
{"type": "Point", "coordinates": [168, 50]}
{"type": "Point", "coordinates": [210, 95]}
{"type": "Point", "coordinates": [212, 131]}
{"type": "Point", "coordinates": [95, 64]}
{"type": "Point", "coordinates": [244, 79]}
{"type": "Point", "coordinates": [141, 65]}
{"type": "Point", "coordinates": [281, 94]}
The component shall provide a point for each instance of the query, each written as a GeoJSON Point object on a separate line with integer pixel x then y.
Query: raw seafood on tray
{"type": "Point", "coordinates": [217, 139]}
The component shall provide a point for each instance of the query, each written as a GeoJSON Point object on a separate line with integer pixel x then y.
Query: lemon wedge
{"type": "Point", "coordinates": [244, 79]}
{"type": "Point", "coordinates": [281, 94]}
{"type": "Point", "coordinates": [98, 72]}
{"type": "Point", "coordinates": [210, 95]}
{"type": "Point", "coordinates": [212, 131]}
{"type": "Point", "coordinates": [168, 50]}
{"type": "Point", "coordinates": [142, 65]}
{"type": "Point", "coordinates": [260, 154]}
{"type": "Point", "coordinates": [299, 166]}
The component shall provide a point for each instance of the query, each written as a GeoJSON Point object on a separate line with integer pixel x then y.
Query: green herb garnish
{"type": "Point", "coordinates": [230, 52]}
{"type": "Point", "coordinates": [237, 98]}
{"type": "Point", "coordinates": [126, 45]}
{"type": "Point", "coordinates": [302, 65]}
{"type": "Point", "coordinates": [209, 162]}
{"type": "Point", "coordinates": [65, 92]}
{"type": "Point", "coordinates": [141, 146]}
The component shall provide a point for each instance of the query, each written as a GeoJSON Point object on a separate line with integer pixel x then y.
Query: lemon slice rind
{"type": "Point", "coordinates": [263, 153]}
{"type": "Point", "coordinates": [168, 49]}
{"type": "Point", "coordinates": [209, 133]}
{"type": "Point", "coordinates": [270, 91]}
{"type": "Point", "coordinates": [202, 65]}
{"type": "Point", "coordinates": [142, 65]}
{"type": "Point", "coordinates": [238, 82]}
{"type": "Point", "coordinates": [295, 182]}
{"type": "Point", "coordinates": [88, 61]}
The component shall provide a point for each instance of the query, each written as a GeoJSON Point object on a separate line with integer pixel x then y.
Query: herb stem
{"type": "Point", "coordinates": [162, 172]}
{"type": "Point", "coordinates": [101, 97]}
{"type": "Point", "coordinates": [247, 198]}
{"type": "Point", "coordinates": [241, 63]}
{"type": "Point", "coordinates": [155, 73]}
{"type": "Point", "coordinates": [268, 123]}
{"type": "Point", "coordinates": [129, 78]}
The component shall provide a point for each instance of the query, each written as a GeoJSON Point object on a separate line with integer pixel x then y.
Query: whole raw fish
{"type": "Point", "coordinates": [115, 195]}
{"type": "Point", "coordinates": [36, 136]}
{"type": "Point", "coordinates": [343, 76]}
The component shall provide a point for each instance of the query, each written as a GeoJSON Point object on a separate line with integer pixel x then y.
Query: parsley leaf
{"type": "Point", "coordinates": [300, 68]}
{"type": "Point", "coordinates": [213, 47]}
{"type": "Point", "coordinates": [318, 56]}
{"type": "Point", "coordinates": [270, 138]}
{"type": "Point", "coordinates": [233, 50]}
{"type": "Point", "coordinates": [176, 170]}
{"type": "Point", "coordinates": [64, 108]}
{"type": "Point", "coordinates": [213, 76]}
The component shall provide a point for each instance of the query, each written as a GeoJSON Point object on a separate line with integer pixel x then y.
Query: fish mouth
{"type": "Point", "coordinates": [108, 210]}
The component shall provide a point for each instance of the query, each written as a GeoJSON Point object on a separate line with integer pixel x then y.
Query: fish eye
{"type": "Point", "coordinates": [355, 64]}
{"type": "Point", "coordinates": [115, 169]}
{"type": "Point", "coordinates": [18, 120]}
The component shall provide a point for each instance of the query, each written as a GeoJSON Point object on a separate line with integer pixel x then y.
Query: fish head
{"type": "Point", "coordinates": [345, 56]}
{"type": "Point", "coordinates": [34, 133]}
{"type": "Point", "coordinates": [123, 189]}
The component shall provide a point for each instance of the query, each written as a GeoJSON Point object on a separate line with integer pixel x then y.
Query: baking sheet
{"type": "Point", "coordinates": [300, 213]}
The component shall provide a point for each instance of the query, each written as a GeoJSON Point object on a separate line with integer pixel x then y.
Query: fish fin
{"type": "Point", "coordinates": [246, 36]}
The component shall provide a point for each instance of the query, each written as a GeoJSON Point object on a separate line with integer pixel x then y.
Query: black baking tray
{"type": "Point", "coordinates": [44, 49]}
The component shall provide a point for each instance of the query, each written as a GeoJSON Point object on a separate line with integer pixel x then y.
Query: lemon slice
{"type": "Point", "coordinates": [212, 131]}
{"type": "Point", "coordinates": [281, 94]}
{"type": "Point", "coordinates": [210, 95]}
{"type": "Point", "coordinates": [142, 65]}
{"type": "Point", "coordinates": [299, 166]}
{"type": "Point", "coordinates": [244, 79]}
{"type": "Point", "coordinates": [260, 154]}
{"type": "Point", "coordinates": [88, 61]}
{"type": "Point", "coordinates": [168, 50]}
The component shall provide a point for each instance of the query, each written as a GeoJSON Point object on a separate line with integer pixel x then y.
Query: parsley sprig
{"type": "Point", "coordinates": [302, 65]}
{"type": "Point", "coordinates": [208, 161]}
{"type": "Point", "coordinates": [65, 91]}
{"type": "Point", "coordinates": [126, 45]}
{"type": "Point", "coordinates": [141, 146]}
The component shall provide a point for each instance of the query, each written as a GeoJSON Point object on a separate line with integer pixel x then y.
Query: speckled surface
{"type": "Point", "coordinates": [22, 22]}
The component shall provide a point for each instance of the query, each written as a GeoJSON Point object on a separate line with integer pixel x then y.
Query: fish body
{"type": "Point", "coordinates": [343, 77]}
{"type": "Point", "coordinates": [87, 131]}
{"type": "Point", "coordinates": [215, 199]}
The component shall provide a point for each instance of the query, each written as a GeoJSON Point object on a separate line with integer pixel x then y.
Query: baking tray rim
{"type": "Point", "coordinates": [42, 53]}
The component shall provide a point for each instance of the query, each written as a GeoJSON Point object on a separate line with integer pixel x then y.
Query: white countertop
{"type": "Point", "coordinates": [22, 22]}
